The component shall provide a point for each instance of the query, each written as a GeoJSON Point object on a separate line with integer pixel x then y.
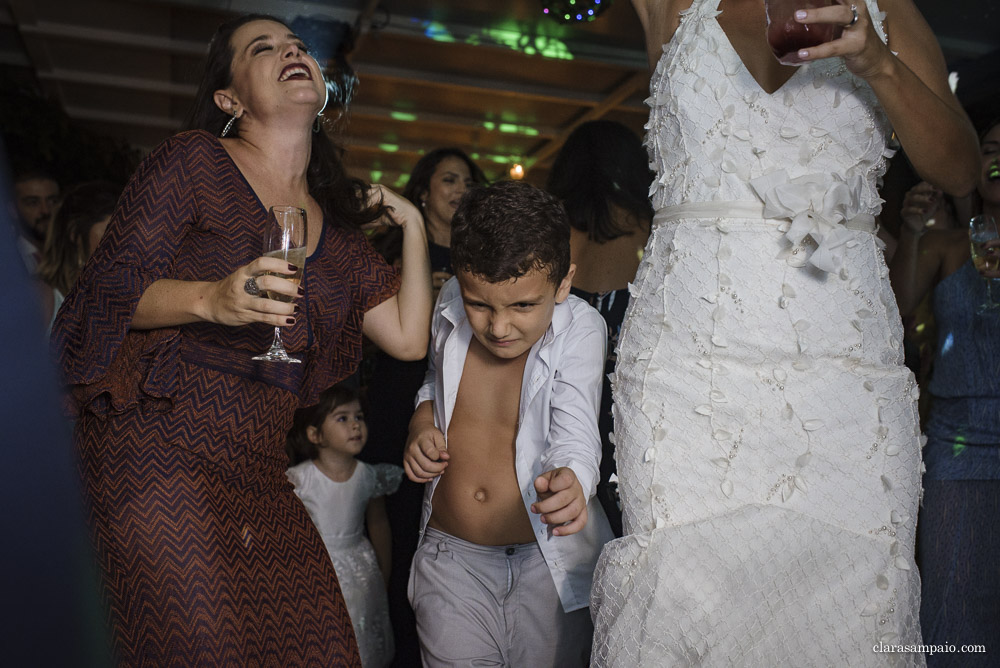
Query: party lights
{"type": "Point", "coordinates": [574, 11]}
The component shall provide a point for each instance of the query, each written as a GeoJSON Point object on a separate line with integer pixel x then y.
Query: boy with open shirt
{"type": "Point", "coordinates": [510, 532]}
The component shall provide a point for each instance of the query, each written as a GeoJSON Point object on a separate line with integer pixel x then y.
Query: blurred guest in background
{"type": "Point", "coordinates": [36, 195]}
{"type": "Point", "coordinates": [958, 533]}
{"type": "Point", "coordinates": [75, 230]}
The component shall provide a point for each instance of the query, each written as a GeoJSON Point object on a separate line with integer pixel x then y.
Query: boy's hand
{"type": "Point", "coordinates": [561, 501]}
{"type": "Point", "coordinates": [426, 455]}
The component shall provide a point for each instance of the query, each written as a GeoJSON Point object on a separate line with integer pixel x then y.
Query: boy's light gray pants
{"type": "Point", "coordinates": [485, 605]}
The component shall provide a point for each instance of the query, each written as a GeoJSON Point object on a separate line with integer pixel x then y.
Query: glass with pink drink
{"type": "Point", "coordinates": [786, 35]}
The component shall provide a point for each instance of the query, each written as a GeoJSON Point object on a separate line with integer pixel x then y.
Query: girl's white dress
{"type": "Point", "coordinates": [338, 511]}
{"type": "Point", "coordinates": [767, 440]}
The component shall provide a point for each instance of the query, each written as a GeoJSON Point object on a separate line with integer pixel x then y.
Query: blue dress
{"type": "Point", "coordinates": [959, 529]}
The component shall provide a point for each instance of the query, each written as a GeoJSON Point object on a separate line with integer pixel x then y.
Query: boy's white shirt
{"type": "Point", "coordinates": [557, 423]}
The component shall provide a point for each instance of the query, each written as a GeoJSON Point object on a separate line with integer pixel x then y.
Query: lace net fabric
{"type": "Point", "coordinates": [767, 441]}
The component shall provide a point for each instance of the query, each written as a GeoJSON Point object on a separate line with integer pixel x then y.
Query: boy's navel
{"type": "Point", "coordinates": [480, 495]}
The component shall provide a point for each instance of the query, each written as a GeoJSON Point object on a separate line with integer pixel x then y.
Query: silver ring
{"type": "Point", "coordinates": [250, 287]}
{"type": "Point", "coordinates": [854, 19]}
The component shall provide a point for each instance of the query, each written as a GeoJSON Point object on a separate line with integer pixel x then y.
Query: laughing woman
{"type": "Point", "coordinates": [207, 556]}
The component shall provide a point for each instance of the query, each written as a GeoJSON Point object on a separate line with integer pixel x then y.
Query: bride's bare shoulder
{"type": "Point", "coordinates": [659, 19]}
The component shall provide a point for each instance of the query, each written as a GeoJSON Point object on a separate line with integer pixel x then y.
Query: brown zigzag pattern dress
{"type": "Point", "coordinates": [208, 557]}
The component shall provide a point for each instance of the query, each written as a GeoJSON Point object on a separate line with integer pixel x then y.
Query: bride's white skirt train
{"type": "Point", "coordinates": [769, 458]}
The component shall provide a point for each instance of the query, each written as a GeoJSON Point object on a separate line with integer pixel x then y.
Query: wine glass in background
{"type": "Point", "coordinates": [786, 35]}
{"type": "Point", "coordinates": [285, 239]}
{"type": "Point", "coordinates": [986, 256]}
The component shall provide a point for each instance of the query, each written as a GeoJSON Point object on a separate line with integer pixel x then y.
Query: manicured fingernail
{"type": "Point", "coordinates": [290, 321]}
{"type": "Point", "coordinates": [801, 14]}
{"type": "Point", "coordinates": [803, 54]}
{"type": "Point", "coordinates": [302, 291]}
{"type": "Point", "coordinates": [296, 308]}
{"type": "Point", "coordinates": [292, 267]}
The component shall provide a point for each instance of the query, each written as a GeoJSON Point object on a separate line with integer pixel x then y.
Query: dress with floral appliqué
{"type": "Point", "coordinates": [338, 511]}
{"type": "Point", "coordinates": [767, 440]}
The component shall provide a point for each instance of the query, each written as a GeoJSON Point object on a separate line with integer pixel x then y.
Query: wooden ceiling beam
{"type": "Point", "coordinates": [626, 88]}
{"type": "Point", "coordinates": [142, 84]}
{"type": "Point", "coordinates": [477, 86]}
{"type": "Point", "coordinates": [450, 121]}
{"type": "Point", "coordinates": [123, 118]}
{"type": "Point", "coordinates": [55, 30]}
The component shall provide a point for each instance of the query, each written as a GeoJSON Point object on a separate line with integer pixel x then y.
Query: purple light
{"type": "Point", "coordinates": [545, 11]}
{"type": "Point", "coordinates": [578, 17]}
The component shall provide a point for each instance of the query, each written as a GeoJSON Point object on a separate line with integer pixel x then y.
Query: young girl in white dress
{"type": "Point", "coordinates": [344, 497]}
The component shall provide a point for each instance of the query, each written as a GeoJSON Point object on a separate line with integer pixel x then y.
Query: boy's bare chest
{"type": "Point", "coordinates": [489, 393]}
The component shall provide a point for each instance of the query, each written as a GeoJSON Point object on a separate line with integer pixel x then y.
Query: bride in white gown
{"type": "Point", "coordinates": [768, 446]}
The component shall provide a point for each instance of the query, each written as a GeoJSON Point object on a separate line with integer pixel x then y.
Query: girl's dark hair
{"type": "Point", "coordinates": [65, 250]}
{"type": "Point", "coordinates": [502, 232]}
{"type": "Point", "coordinates": [602, 163]}
{"type": "Point", "coordinates": [343, 199]}
{"type": "Point", "coordinates": [420, 177]}
{"type": "Point", "coordinates": [297, 445]}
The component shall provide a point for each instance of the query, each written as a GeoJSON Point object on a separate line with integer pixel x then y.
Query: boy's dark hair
{"type": "Point", "coordinates": [297, 445]}
{"type": "Point", "coordinates": [504, 231]}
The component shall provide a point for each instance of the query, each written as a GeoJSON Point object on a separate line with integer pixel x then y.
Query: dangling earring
{"type": "Point", "coordinates": [229, 125]}
{"type": "Point", "coordinates": [318, 123]}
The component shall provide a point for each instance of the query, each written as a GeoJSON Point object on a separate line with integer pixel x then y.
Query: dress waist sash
{"type": "Point", "coordinates": [831, 231]}
{"type": "Point", "coordinates": [738, 209]}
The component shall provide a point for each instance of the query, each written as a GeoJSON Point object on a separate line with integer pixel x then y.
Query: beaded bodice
{"type": "Point", "coordinates": [712, 129]}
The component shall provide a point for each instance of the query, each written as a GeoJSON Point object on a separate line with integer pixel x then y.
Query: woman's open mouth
{"type": "Point", "coordinates": [295, 71]}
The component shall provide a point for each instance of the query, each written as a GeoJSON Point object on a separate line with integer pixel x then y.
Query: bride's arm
{"type": "Point", "coordinates": [659, 19]}
{"type": "Point", "coordinates": [912, 87]}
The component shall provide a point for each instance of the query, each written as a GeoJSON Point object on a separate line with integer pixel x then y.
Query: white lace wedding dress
{"type": "Point", "coordinates": [768, 448]}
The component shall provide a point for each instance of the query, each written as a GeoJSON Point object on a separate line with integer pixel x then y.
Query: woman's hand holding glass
{"type": "Point", "coordinates": [229, 303]}
{"type": "Point", "coordinates": [985, 241]}
{"type": "Point", "coordinates": [922, 206]}
{"type": "Point", "coordinates": [858, 44]}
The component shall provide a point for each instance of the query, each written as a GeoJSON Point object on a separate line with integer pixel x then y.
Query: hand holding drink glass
{"type": "Point", "coordinates": [787, 35]}
{"type": "Point", "coordinates": [284, 239]}
{"type": "Point", "coordinates": [985, 242]}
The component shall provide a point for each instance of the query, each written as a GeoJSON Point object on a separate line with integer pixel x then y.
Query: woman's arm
{"type": "Point", "coordinates": [659, 19]}
{"type": "Point", "coordinates": [400, 325]}
{"type": "Point", "coordinates": [912, 87]}
{"type": "Point", "coordinates": [169, 302]}
{"type": "Point", "coordinates": [921, 253]}
{"type": "Point", "coordinates": [380, 535]}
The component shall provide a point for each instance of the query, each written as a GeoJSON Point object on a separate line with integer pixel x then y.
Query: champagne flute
{"type": "Point", "coordinates": [986, 256]}
{"type": "Point", "coordinates": [786, 35]}
{"type": "Point", "coordinates": [285, 239]}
